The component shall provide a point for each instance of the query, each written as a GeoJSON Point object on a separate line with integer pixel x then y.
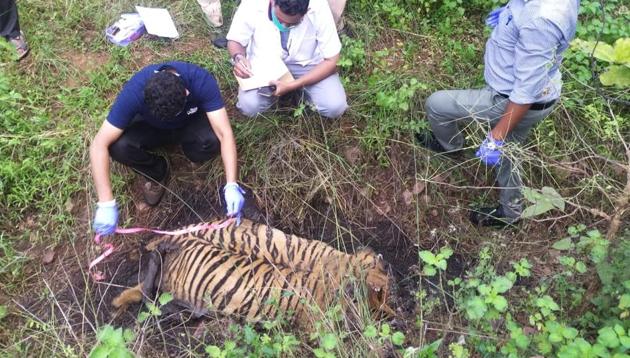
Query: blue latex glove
{"type": "Point", "coordinates": [493, 17]}
{"type": "Point", "coordinates": [234, 200]}
{"type": "Point", "coordinates": [106, 218]}
{"type": "Point", "coordinates": [490, 151]}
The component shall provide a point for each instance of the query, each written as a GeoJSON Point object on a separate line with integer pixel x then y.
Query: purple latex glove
{"type": "Point", "coordinates": [490, 151]}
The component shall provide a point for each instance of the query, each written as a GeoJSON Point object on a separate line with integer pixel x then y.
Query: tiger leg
{"type": "Point", "coordinates": [135, 294]}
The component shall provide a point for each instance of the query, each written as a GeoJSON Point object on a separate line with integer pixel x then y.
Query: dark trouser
{"type": "Point", "coordinates": [9, 23]}
{"type": "Point", "coordinates": [197, 139]}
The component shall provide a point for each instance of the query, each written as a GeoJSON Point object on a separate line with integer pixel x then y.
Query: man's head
{"type": "Point", "coordinates": [290, 12]}
{"type": "Point", "coordinates": [165, 95]}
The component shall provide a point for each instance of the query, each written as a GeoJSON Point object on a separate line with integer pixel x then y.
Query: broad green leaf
{"type": "Point", "coordinates": [540, 207]}
{"type": "Point", "coordinates": [385, 330]}
{"type": "Point", "coordinates": [142, 316]}
{"type": "Point", "coordinates": [441, 265]}
{"type": "Point", "coordinates": [100, 351]}
{"type": "Point", "coordinates": [500, 303]}
{"type": "Point", "coordinates": [531, 195]}
{"type": "Point", "coordinates": [624, 301]}
{"type": "Point", "coordinates": [428, 257]}
{"type": "Point", "coordinates": [120, 352]}
{"type": "Point", "coordinates": [446, 252]}
{"type": "Point", "coordinates": [553, 197]}
{"type": "Point", "coordinates": [555, 337]}
{"type": "Point", "coordinates": [329, 341]}
{"type": "Point", "coordinates": [625, 341]}
{"type": "Point", "coordinates": [165, 298]}
{"type": "Point", "coordinates": [213, 351]}
{"type": "Point", "coordinates": [475, 308]}
{"type": "Point", "coordinates": [580, 267]}
{"type": "Point", "coordinates": [569, 333]}
{"type": "Point", "coordinates": [398, 338]}
{"type": "Point", "coordinates": [604, 52]}
{"type": "Point", "coordinates": [128, 335]}
{"type": "Point", "coordinates": [608, 337]}
{"type": "Point", "coordinates": [370, 331]}
{"type": "Point", "coordinates": [429, 271]}
{"type": "Point", "coordinates": [622, 50]}
{"type": "Point", "coordinates": [501, 284]}
{"type": "Point", "coordinates": [564, 244]}
{"type": "Point", "coordinates": [616, 75]}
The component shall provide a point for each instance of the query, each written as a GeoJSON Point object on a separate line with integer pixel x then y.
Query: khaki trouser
{"type": "Point", "coordinates": [449, 112]}
{"type": "Point", "coordinates": [337, 7]}
{"type": "Point", "coordinates": [212, 11]}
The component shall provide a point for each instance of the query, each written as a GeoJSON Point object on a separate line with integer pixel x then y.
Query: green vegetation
{"type": "Point", "coordinates": [558, 285]}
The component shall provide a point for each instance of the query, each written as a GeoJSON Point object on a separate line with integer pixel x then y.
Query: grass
{"type": "Point", "coordinates": [357, 181]}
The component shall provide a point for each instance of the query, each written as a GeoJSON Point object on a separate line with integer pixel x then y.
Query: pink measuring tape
{"type": "Point", "coordinates": [109, 248]}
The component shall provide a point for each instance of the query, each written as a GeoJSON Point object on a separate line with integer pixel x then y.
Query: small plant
{"type": "Point", "coordinates": [250, 343]}
{"type": "Point", "coordinates": [433, 263]}
{"type": "Point", "coordinates": [112, 343]}
{"type": "Point", "coordinates": [154, 309]}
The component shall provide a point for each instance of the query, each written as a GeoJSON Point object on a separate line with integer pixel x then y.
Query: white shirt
{"type": "Point", "coordinates": [309, 43]}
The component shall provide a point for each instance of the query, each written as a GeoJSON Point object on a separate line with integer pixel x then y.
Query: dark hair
{"type": "Point", "coordinates": [293, 7]}
{"type": "Point", "coordinates": [165, 95]}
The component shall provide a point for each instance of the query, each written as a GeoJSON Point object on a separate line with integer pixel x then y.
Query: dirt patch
{"type": "Point", "coordinates": [83, 63]}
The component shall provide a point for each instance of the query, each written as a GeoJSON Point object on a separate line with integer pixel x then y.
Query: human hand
{"type": "Point", "coordinates": [493, 17]}
{"type": "Point", "coordinates": [105, 218]}
{"type": "Point", "coordinates": [234, 200]}
{"type": "Point", "coordinates": [490, 151]}
{"type": "Point", "coordinates": [242, 66]}
{"type": "Point", "coordinates": [283, 88]}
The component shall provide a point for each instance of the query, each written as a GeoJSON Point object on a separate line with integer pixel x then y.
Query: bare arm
{"type": "Point", "coordinates": [220, 124]}
{"type": "Point", "coordinates": [512, 115]}
{"type": "Point", "coordinates": [99, 160]}
{"type": "Point", "coordinates": [242, 68]}
{"type": "Point", "coordinates": [318, 73]}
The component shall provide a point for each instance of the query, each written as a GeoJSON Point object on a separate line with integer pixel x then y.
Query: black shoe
{"type": "Point", "coordinates": [220, 42]}
{"type": "Point", "coordinates": [491, 217]}
{"type": "Point", "coordinates": [427, 139]}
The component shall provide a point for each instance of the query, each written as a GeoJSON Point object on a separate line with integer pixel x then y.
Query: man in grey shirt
{"type": "Point", "coordinates": [522, 60]}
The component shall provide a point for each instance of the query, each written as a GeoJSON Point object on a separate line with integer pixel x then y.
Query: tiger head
{"type": "Point", "coordinates": [377, 279]}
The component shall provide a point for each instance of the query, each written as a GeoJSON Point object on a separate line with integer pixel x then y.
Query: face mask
{"type": "Point", "coordinates": [277, 22]}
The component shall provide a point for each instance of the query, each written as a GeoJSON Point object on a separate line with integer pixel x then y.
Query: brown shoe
{"type": "Point", "coordinates": [153, 191]}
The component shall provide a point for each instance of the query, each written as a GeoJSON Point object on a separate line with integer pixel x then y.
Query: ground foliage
{"type": "Point", "coordinates": [557, 285]}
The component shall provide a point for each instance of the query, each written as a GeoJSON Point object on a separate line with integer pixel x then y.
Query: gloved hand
{"type": "Point", "coordinates": [234, 200]}
{"type": "Point", "coordinates": [493, 17]}
{"type": "Point", "coordinates": [490, 151]}
{"type": "Point", "coordinates": [106, 218]}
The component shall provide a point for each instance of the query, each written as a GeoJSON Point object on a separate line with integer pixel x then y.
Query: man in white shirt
{"type": "Point", "coordinates": [300, 33]}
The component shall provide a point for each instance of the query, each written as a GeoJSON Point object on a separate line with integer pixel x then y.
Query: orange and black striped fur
{"type": "Point", "coordinates": [241, 269]}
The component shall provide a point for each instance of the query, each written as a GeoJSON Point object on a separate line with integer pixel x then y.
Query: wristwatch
{"type": "Point", "coordinates": [236, 58]}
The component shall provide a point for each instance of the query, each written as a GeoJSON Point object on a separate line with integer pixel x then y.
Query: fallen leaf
{"type": "Point", "coordinates": [48, 257]}
{"type": "Point", "coordinates": [529, 330]}
{"type": "Point", "coordinates": [407, 197]}
{"type": "Point", "coordinates": [69, 205]}
{"type": "Point", "coordinates": [141, 206]}
{"type": "Point", "coordinates": [352, 155]}
{"type": "Point", "coordinates": [434, 212]}
{"type": "Point", "coordinates": [419, 187]}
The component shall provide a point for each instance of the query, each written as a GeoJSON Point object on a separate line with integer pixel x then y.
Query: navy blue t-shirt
{"type": "Point", "coordinates": [204, 96]}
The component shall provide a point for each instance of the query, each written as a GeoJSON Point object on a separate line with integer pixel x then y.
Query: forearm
{"type": "Point", "coordinates": [512, 115]}
{"type": "Point", "coordinates": [99, 161]}
{"type": "Point", "coordinates": [319, 72]}
{"type": "Point", "coordinates": [229, 157]}
{"type": "Point", "coordinates": [235, 47]}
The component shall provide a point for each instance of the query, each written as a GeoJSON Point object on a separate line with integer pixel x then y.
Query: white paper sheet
{"type": "Point", "coordinates": [265, 69]}
{"type": "Point", "coordinates": [158, 22]}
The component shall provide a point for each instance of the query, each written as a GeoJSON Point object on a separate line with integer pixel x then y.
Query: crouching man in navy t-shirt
{"type": "Point", "coordinates": [170, 103]}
